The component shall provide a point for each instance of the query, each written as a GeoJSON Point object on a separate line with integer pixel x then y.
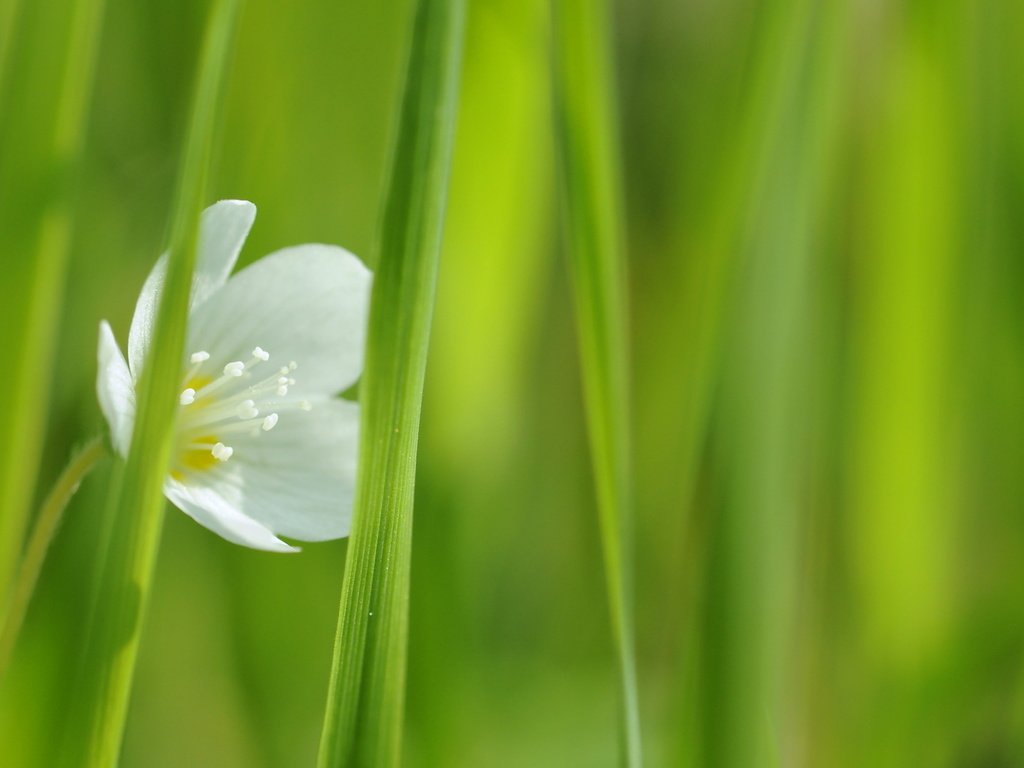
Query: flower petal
{"type": "Point", "coordinates": [307, 303]}
{"type": "Point", "coordinates": [222, 231]}
{"type": "Point", "coordinates": [299, 478]}
{"type": "Point", "coordinates": [210, 507]}
{"type": "Point", "coordinates": [114, 390]}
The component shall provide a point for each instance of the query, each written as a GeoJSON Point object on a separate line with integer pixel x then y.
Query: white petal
{"type": "Point", "coordinates": [307, 303]}
{"type": "Point", "coordinates": [222, 231]}
{"type": "Point", "coordinates": [299, 478]}
{"type": "Point", "coordinates": [210, 507]}
{"type": "Point", "coordinates": [114, 390]}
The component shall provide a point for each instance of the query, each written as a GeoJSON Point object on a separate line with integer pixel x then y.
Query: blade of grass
{"type": "Point", "coordinates": [481, 379]}
{"type": "Point", "coordinates": [39, 540]}
{"type": "Point", "coordinates": [43, 103]}
{"type": "Point", "coordinates": [749, 706]}
{"type": "Point", "coordinates": [904, 535]}
{"type": "Point", "coordinates": [97, 717]}
{"type": "Point", "coordinates": [363, 719]}
{"type": "Point", "coordinates": [587, 145]}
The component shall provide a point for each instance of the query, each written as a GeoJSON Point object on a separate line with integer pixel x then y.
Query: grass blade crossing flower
{"type": "Point", "coordinates": [261, 446]}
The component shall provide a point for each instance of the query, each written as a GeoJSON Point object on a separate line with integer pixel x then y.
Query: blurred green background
{"type": "Point", "coordinates": [823, 204]}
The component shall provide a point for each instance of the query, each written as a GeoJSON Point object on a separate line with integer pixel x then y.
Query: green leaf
{"type": "Point", "coordinates": [134, 519]}
{"type": "Point", "coordinates": [47, 82]}
{"type": "Point", "coordinates": [587, 144]}
{"type": "Point", "coordinates": [363, 721]}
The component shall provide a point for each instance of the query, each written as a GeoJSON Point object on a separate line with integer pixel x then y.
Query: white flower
{"type": "Point", "coordinates": [261, 446]}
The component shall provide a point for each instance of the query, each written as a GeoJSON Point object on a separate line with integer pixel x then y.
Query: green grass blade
{"type": "Point", "coordinates": [97, 717]}
{"type": "Point", "coordinates": [905, 451]}
{"type": "Point", "coordinates": [43, 100]}
{"type": "Point", "coordinates": [46, 524]}
{"type": "Point", "coordinates": [587, 146]}
{"type": "Point", "coordinates": [748, 712]}
{"type": "Point", "coordinates": [363, 721]}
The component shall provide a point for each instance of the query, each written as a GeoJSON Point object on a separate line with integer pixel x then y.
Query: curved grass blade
{"type": "Point", "coordinates": [97, 716]}
{"type": "Point", "coordinates": [363, 721]}
{"type": "Point", "coordinates": [588, 152]}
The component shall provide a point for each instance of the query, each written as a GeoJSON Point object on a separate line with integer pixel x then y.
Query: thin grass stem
{"type": "Point", "coordinates": [37, 221]}
{"type": "Point", "coordinates": [587, 145]}
{"type": "Point", "coordinates": [135, 515]}
{"type": "Point", "coordinates": [47, 521]}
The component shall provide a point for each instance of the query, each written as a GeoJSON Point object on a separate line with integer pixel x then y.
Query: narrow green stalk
{"type": "Point", "coordinates": [905, 448]}
{"type": "Point", "coordinates": [587, 142]}
{"type": "Point", "coordinates": [750, 701]}
{"type": "Point", "coordinates": [363, 720]}
{"type": "Point", "coordinates": [47, 520]}
{"type": "Point", "coordinates": [47, 65]}
{"type": "Point", "coordinates": [99, 709]}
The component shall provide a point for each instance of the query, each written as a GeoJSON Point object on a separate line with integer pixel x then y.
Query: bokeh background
{"type": "Point", "coordinates": [824, 211]}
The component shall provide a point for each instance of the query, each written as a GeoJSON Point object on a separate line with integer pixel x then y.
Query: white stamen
{"type": "Point", "coordinates": [235, 403]}
{"type": "Point", "coordinates": [247, 410]}
{"type": "Point", "coordinates": [222, 452]}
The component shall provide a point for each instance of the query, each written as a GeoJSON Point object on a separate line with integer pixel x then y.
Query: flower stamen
{"type": "Point", "coordinates": [226, 406]}
{"type": "Point", "coordinates": [247, 410]}
{"type": "Point", "coordinates": [222, 452]}
{"type": "Point", "coordinates": [232, 371]}
{"type": "Point", "coordinates": [196, 359]}
{"type": "Point", "coordinates": [223, 406]}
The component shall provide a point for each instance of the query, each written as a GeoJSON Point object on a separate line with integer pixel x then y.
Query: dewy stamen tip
{"type": "Point", "coordinates": [222, 452]}
{"type": "Point", "coordinates": [261, 354]}
{"type": "Point", "coordinates": [247, 410]}
{"type": "Point", "coordinates": [187, 397]}
{"type": "Point", "coordinates": [199, 357]}
{"type": "Point", "coordinates": [236, 368]}
{"type": "Point", "coordinates": [270, 422]}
